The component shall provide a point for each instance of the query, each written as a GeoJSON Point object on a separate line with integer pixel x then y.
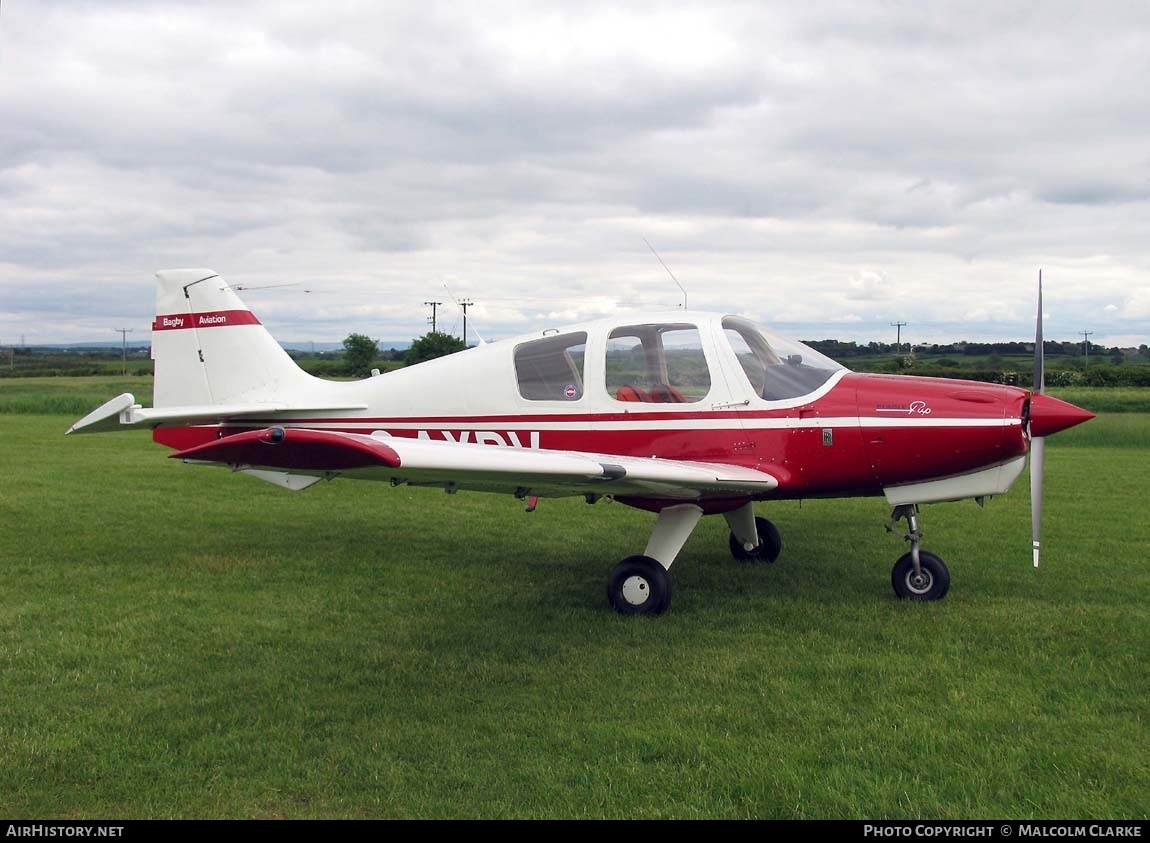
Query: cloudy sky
{"type": "Point", "coordinates": [826, 167]}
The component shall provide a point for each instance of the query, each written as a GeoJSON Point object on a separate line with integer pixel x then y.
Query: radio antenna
{"type": "Point", "coordinates": [669, 272]}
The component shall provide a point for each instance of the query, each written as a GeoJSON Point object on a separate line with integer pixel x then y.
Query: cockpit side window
{"type": "Point", "coordinates": [777, 369]}
{"type": "Point", "coordinates": [659, 364]}
{"type": "Point", "coordinates": [551, 369]}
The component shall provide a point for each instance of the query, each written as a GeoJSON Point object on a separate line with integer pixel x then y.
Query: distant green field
{"type": "Point", "coordinates": [1106, 399]}
{"type": "Point", "coordinates": [176, 641]}
{"type": "Point", "coordinates": [69, 396]}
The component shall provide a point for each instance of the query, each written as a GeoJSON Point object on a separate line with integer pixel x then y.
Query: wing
{"type": "Point", "coordinates": [286, 453]}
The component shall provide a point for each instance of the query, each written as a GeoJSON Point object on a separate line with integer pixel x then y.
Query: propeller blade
{"type": "Point", "coordinates": [1037, 455]}
{"type": "Point", "coordinates": [1039, 351]}
{"type": "Point", "coordinates": [1037, 443]}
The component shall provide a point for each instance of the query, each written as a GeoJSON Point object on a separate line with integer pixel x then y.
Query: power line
{"type": "Point", "coordinates": [463, 305]}
{"type": "Point", "coordinates": [898, 334]}
{"type": "Point", "coordinates": [434, 305]}
{"type": "Point", "coordinates": [124, 352]}
{"type": "Point", "coordinates": [1086, 347]}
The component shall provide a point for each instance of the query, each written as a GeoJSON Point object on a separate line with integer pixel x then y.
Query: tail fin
{"type": "Point", "coordinates": [210, 349]}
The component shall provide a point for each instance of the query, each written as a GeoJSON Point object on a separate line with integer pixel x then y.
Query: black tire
{"type": "Point", "coordinates": [770, 546]}
{"type": "Point", "coordinates": [639, 586]}
{"type": "Point", "coordinates": [933, 585]}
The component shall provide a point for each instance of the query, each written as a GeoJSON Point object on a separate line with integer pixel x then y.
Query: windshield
{"type": "Point", "coordinates": [777, 368]}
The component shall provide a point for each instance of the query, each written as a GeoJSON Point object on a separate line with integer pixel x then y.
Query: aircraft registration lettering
{"type": "Point", "coordinates": [483, 437]}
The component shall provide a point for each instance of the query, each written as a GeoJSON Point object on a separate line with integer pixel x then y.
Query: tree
{"type": "Point", "coordinates": [359, 352]}
{"type": "Point", "coordinates": [431, 345]}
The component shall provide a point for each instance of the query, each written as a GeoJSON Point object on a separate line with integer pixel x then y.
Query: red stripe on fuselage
{"type": "Point", "coordinates": [866, 433]}
{"type": "Point", "coordinates": [208, 319]}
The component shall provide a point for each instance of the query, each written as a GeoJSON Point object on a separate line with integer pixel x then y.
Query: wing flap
{"type": "Point", "coordinates": [291, 482]}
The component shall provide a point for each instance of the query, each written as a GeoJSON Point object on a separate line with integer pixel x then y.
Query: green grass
{"type": "Point", "coordinates": [69, 396]}
{"type": "Point", "coordinates": [179, 642]}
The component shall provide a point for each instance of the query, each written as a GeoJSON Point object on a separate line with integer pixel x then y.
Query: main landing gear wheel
{"type": "Point", "coordinates": [639, 586]}
{"type": "Point", "coordinates": [770, 543]}
{"type": "Point", "coordinates": [931, 583]}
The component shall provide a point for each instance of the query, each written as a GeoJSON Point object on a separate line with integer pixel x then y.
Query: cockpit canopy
{"type": "Point", "coordinates": [673, 361]}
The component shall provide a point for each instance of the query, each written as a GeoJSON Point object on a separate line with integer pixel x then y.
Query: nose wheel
{"type": "Point", "coordinates": [930, 582]}
{"type": "Point", "coordinates": [919, 574]}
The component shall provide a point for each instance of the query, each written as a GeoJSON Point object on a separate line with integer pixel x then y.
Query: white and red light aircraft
{"type": "Point", "coordinates": [679, 413]}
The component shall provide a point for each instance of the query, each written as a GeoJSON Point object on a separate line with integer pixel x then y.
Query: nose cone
{"type": "Point", "coordinates": [1049, 415]}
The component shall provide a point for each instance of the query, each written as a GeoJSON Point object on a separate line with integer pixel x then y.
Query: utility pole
{"type": "Point", "coordinates": [1086, 347]}
{"type": "Point", "coordinates": [466, 303]}
{"type": "Point", "coordinates": [898, 334]}
{"type": "Point", "coordinates": [124, 347]}
{"type": "Point", "coordinates": [433, 305]}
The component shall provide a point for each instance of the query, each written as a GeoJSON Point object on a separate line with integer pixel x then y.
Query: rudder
{"type": "Point", "coordinates": [209, 348]}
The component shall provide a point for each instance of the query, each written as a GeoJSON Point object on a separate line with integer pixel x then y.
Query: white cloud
{"type": "Point", "coordinates": [832, 167]}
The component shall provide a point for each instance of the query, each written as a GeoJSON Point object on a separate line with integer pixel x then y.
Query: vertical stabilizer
{"type": "Point", "coordinates": [210, 348]}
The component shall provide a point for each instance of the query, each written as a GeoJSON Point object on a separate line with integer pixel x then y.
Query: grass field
{"type": "Point", "coordinates": [179, 642]}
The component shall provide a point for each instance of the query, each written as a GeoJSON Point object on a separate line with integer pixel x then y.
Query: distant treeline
{"type": "Point", "coordinates": [1101, 375]}
{"type": "Point", "coordinates": [839, 350]}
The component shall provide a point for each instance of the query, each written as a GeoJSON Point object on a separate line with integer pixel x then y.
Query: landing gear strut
{"type": "Point", "coordinates": [640, 585]}
{"type": "Point", "coordinates": [919, 574]}
{"type": "Point", "coordinates": [753, 538]}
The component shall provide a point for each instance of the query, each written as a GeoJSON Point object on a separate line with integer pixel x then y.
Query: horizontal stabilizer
{"type": "Point", "coordinates": [105, 417]}
{"type": "Point", "coordinates": [123, 411]}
